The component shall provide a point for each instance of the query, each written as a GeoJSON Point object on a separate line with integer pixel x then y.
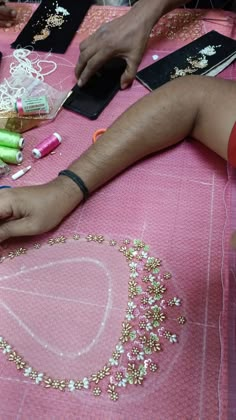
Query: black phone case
{"type": "Point", "coordinates": [164, 70]}
{"type": "Point", "coordinates": [91, 99]}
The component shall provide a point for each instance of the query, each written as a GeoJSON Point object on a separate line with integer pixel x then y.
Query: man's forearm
{"type": "Point", "coordinates": [150, 11]}
{"type": "Point", "coordinates": [195, 106]}
{"type": "Point", "coordinates": [155, 122]}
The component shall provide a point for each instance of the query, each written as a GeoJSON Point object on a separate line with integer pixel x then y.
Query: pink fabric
{"type": "Point", "coordinates": [175, 202]}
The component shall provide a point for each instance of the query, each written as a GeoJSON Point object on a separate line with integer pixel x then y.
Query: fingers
{"type": "Point", "coordinates": [6, 211]}
{"type": "Point", "coordinates": [85, 56]}
{"type": "Point", "coordinates": [88, 67]}
{"type": "Point", "coordinates": [6, 13]}
{"type": "Point", "coordinates": [94, 52]}
{"type": "Point", "coordinates": [129, 74]}
{"type": "Point", "coordinates": [7, 16]}
{"type": "Point", "coordinates": [15, 228]}
{"type": "Point", "coordinates": [4, 24]}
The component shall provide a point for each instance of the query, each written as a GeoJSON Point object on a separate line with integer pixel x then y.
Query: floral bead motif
{"type": "Point", "coordinates": [101, 374]}
{"type": "Point", "coordinates": [18, 360]}
{"type": "Point", "coordinates": [112, 392]}
{"type": "Point", "coordinates": [59, 240]}
{"type": "Point", "coordinates": [33, 374]}
{"type": "Point", "coordinates": [182, 320]}
{"type": "Point", "coordinates": [17, 253]}
{"type": "Point", "coordinates": [55, 384]}
{"type": "Point", "coordinates": [97, 391]}
{"type": "Point", "coordinates": [95, 238]}
{"type": "Point", "coordinates": [152, 264]}
{"type": "Point", "coordinates": [143, 331]}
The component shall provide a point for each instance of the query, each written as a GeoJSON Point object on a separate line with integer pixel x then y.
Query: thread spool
{"type": "Point", "coordinates": [32, 106]}
{"type": "Point", "coordinates": [47, 146]}
{"type": "Point", "coordinates": [4, 168]}
{"type": "Point", "coordinates": [10, 155]}
{"type": "Point", "coordinates": [10, 139]}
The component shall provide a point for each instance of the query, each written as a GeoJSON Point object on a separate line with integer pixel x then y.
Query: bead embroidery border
{"type": "Point", "coordinates": [142, 333]}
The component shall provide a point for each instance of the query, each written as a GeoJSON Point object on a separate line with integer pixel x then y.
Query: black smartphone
{"type": "Point", "coordinates": [91, 99]}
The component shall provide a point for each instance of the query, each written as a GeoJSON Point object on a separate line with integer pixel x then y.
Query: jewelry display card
{"type": "Point", "coordinates": [208, 55]}
{"type": "Point", "coordinates": [53, 25]}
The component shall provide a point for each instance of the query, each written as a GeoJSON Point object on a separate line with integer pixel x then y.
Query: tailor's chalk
{"type": "Point", "coordinates": [20, 173]}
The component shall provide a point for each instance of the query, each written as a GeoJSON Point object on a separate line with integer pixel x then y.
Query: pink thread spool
{"type": "Point", "coordinates": [47, 146]}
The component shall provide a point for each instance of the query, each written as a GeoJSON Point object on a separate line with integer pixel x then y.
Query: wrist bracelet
{"type": "Point", "coordinates": [78, 181]}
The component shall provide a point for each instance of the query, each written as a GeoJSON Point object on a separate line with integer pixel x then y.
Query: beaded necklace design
{"type": "Point", "coordinates": [144, 330]}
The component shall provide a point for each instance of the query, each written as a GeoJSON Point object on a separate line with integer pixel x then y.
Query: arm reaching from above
{"type": "Point", "coordinates": [201, 107]}
{"type": "Point", "coordinates": [125, 37]}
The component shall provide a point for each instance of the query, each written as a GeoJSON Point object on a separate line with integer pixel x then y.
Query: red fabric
{"type": "Point", "coordinates": [232, 147]}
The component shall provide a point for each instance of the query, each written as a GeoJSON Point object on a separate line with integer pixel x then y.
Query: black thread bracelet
{"type": "Point", "coordinates": [77, 180]}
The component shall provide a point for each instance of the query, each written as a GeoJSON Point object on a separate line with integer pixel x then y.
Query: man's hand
{"type": "Point", "coordinates": [7, 15]}
{"type": "Point", "coordinates": [32, 210]}
{"type": "Point", "coordinates": [125, 37]}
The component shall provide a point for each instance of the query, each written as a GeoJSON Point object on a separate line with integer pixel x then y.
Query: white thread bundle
{"type": "Point", "coordinates": [23, 67]}
{"type": "Point", "coordinates": [31, 67]}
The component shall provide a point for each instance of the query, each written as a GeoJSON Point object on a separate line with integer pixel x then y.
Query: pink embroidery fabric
{"type": "Point", "coordinates": [174, 202]}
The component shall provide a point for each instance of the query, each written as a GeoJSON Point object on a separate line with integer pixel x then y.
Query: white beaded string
{"type": "Point", "coordinates": [24, 65]}
{"type": "Point", "coordinates": [31, 67]}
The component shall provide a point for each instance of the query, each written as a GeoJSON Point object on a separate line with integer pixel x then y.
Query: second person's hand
{"type": "Point", "coordinates": [7, 15]}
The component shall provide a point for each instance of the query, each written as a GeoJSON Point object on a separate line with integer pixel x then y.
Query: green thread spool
{"type": "Point", "coordinates": [9, 155]}
{"type": "Point", "coordinates": [10, 139]}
